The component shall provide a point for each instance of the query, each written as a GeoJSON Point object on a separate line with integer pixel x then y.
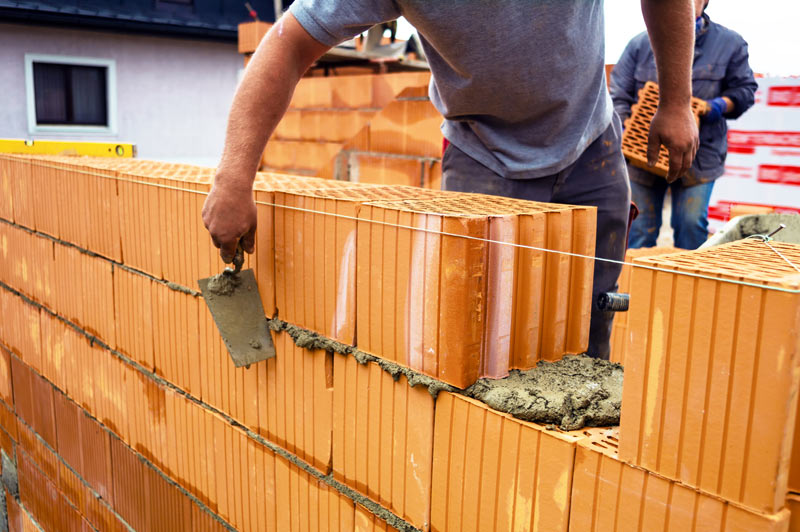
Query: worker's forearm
{"type": "Point", "coordinates": [670, 25]}
{"type": "Point", "coordinates": [262, 99]}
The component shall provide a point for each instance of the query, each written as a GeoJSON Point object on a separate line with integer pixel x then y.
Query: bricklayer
{"type": "Point", "coordinates": [609, 495]}
{"type": "Point", "coordinates": [637, 129]}
{"type": "Point", "coordinates": [712, 371]}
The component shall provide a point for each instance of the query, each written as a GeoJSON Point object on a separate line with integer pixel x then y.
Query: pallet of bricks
{"type": "Point", "coordinates": [122, 410]}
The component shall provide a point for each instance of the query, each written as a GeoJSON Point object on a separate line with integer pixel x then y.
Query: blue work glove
{"type": "Point", "coordinates": [716, 108]}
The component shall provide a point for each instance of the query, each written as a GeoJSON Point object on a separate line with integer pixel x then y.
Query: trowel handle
{"type": "Point", "coordinates": [238, 258]}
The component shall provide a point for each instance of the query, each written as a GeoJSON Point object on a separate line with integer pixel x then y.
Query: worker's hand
{"type": "Point", "coordinates": [229, 214]}
{"type": "Point", "coordinates": [676, 129]}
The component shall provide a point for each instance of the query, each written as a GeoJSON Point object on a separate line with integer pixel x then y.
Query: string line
{"type": "Point", "coordinates": [763, 238]}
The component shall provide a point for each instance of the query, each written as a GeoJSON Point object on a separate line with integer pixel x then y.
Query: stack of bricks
{"type": "Point", "coordinates": [97, 321]}
{"type": "Point", "coordinates": [325, 114]}
{"type": "Point", "coordinates": [401, 145]}
{"type": "Point", "coordinates": [637, 130]}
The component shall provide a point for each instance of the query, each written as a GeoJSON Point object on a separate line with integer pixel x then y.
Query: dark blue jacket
{"type": "Point", "coordinates": [720, 69]}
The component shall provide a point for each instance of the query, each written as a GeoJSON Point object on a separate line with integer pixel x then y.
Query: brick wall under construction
{"type": "Point", "coordinates": [120, 408]}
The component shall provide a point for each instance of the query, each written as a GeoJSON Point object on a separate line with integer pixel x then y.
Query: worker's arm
{"type": "Point", "coordinates": [670, 25]}
{"type": "Point", "coordinates": [260, 102]}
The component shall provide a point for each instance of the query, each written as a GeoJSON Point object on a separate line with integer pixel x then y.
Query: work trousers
{"type": "Point", "coordinates": [689, 210]}
{"type": "Point", "coordinates": [598, 178]}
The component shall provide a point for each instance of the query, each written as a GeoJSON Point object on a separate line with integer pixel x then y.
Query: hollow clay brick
{"type": "Point", "coordinates": [794, 472]}
{"type": "Point", "coordinates": [610, 495]}
{"type": "Point", "coordinates": [637, 129]}
{"type": "Point", "coordinates": [409, 127]}
{"type": "Point", "coordinates": [620, 336]}
{"type": "Point", "coordinates": [712, 371]}
{"type": "Point", "coordinates": [383, 438]}
{"type": "Point", "coordinates": [507, 306]}
{"type": "Point", "coordinates": [493, 472]}
{"type": "Point", "coordinates": [793, 505]}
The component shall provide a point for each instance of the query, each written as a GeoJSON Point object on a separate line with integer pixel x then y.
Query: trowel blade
{"type": "Point", "coordinates": [240, 319]}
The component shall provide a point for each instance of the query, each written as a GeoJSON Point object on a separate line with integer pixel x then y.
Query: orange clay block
{"type": "Point", "coordinates": [250, 35]}
{"type": "Point", "coordinates": [620, 336]}
{"type": "Point", "coordinates": [712, 371]}
{"type": "Point", "coordinates": [794, 472]}
{"type": "Point", "coordinates": [315, 254]}
{"type": "Point", "coordinates": [383, 438]}
{"type": "Point", "coordinates": [407, 126]}
{"type": "Point", "coordinates": [8, 168]}
{"type": "Point", "coordinates": [493, 472]}
{"type": "Point", "coordinates": [793, 505]}
{"type": "Point", "coordinates": [637, 129]}
{"type": "Point", "coordinates": [611, 496]}
{"type": "Point", "coordinates": [506, 305]}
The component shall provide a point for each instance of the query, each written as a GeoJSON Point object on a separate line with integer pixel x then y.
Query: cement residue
{"type": "Point", "coordinates": [311, 340]}
{"type": "Point", "coordinates": [223, 284]}
{"type": "Point", "coordinates": [574, 392]}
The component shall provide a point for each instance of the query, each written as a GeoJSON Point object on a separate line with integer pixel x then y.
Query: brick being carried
{"type": "Point", "coordinates": [637, 129]}
{"type": "Point", "coordinates": [609, 495]}
{"type": "Point", "coordinates": [315, 254]}
{"type": "Point", "coordinates": [711, 374]}
{"type": "Point", "coordinates": [440, 292]}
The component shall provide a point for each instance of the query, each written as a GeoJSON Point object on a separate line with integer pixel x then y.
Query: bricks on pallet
{"type": "Point", "coordinates": [493, 472]}
{"type": "Point", "coordinates": [383, 438]}
{"type": "Point", "coordinates": [609, 495]}
{"type": "Point", "coordinates": [620, 334]}
{"type": "Point", "coordinates": [712, 371]}
{"type": "Point", "coordinates": [408, 125]}
{"type": "Point", "coordinates": [250, 35]}
{"type": "Point", "coordinates": [514, 306]}
{"type": "Point", "coordinates": [315, 255]}
{"type": "Point", "coordinates": [386, 169]}
{"type": "Point", "coordinates": [637, 129]}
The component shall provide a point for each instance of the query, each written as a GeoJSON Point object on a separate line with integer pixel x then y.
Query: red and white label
{"type": "Point", "coordinates": [784, 96]}
{"type": "Point", "coordinates": [780, 139]}
{"type": "Point", "coordinates": [773, 173]}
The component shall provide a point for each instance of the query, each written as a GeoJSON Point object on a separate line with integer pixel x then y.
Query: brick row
{"type": "Point", "coordinates": [353, 92]}
{"type": "Point", "coordinates": [237, 477]}
{"type": "Point", "coordinates": [710, 398]}
{"type": "Point", "coordinates": [321, 125]}
{"type": "Point", "coordinates": [609, 495]}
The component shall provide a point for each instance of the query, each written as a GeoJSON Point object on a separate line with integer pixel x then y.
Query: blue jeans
{"type": "Point", "coordinates": [689, 210]}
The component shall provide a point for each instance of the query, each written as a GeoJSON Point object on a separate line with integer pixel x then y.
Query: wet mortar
{"type": "Point", "coordinates": [572, 393]}
{"type": "Point", "coordinates": [223, 284]}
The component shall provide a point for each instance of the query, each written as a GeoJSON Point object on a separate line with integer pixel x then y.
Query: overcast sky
{"type": "Point", "coordinates": [771, 28]}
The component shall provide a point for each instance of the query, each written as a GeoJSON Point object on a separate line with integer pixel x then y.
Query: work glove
{"type": "Point", "coordinates": [716, 108]}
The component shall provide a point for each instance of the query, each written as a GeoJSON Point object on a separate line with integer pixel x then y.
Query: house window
{"type": "Point", "coordinates": [70, 94]}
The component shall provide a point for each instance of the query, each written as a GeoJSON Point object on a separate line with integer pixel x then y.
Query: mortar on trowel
{"type": "Point", "coordinates": [235, 304]}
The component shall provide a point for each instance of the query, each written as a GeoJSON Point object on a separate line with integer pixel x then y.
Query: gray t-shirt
{"type": "Point", "coordinates": [521, 83]}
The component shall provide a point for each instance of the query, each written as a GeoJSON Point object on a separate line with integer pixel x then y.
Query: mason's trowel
{"type": "Point", "coordinates": [234, 302]}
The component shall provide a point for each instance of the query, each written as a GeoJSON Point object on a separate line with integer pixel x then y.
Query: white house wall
{"type": "Point", "coordinates": [172, 94]}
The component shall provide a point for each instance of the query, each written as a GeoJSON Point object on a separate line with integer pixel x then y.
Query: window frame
{"type": "Point", "coordinates": [111, 94]}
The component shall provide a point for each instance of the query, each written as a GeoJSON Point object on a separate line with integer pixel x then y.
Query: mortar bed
{"type": "Point", "coordinates": [572, 393]}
